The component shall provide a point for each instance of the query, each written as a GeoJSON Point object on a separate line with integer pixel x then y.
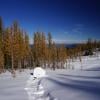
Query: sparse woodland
{"type": "Point", "coordinates": [17, 53]}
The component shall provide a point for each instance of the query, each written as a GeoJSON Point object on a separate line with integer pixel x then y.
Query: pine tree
{"type": "Point", "coordinates": [40, 49]}
{"type": "Point", "coordinates": [1, 33]}
{"type": "Point", "coordinates": [43, 49]}
{"type": "Point", "coordinates": [1, 61]}
{"type": "Point", "coordinates": [53, 55]}
{"type": "Point", "coordinates": [1, 46]}
{"type": "Point", "coordinates": [49, 40]}
{"type": "Point", "coordinates": [49, 51]}
{"type": "Point", "coordinates": [35, 49]}
{"type": "Point", "coordinates": [17, 43]}
{"type": "Point", "coordinates": [7, 47]}
{"type": "Point", "coordinates": [27, 51]}
{"type": "Point", "coordinates": [61, 55]}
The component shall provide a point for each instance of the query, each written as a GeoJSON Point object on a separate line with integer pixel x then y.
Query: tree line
{"type": "Point", "coordinates": [17, 53]}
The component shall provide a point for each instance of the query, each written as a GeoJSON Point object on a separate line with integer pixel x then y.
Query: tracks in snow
{"type": "Point", "coordinates": [36, 91]}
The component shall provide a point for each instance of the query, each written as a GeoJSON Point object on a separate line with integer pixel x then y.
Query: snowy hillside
{"type": "Point", "coordinates": [86, 63]}
{"type": "Point", "coordinates": [61, 84]}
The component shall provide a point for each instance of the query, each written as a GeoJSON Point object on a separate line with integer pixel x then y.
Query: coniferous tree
{"type": "Point", "coordinates": [7, 47]}
{"type": "Point", "coordinates": [49, 40]}
{"type": "Point", "coordinates": [53, 55]}
{"type": "Point", "coordinates": [17, 46]}
{"type": "Point", "coordinates": [1, 33]}
{"type": "Point", "coordinates": [49, 54]}
{"type": "Point", "coordinates": [1, 61]}
{"type": "Point", "coordinates": [39, 49]}
{"type": "Point", "coordinates": [1, 46]}
{"type": "Point", "coordinates": [36, 49]}
{"type": "Point", "coordinates": [27, 51]}
{"type": "Point", "coordinates": [43, 49]}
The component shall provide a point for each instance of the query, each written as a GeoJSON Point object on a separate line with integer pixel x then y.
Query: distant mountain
{"type": "Point", "coordinates": [66, 45]}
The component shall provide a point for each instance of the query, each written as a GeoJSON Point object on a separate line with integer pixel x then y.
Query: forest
{"type": "Point", "coordinates": [16, 52]}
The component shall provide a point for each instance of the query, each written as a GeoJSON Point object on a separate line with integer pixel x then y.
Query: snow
{"type": "Point", "coordinates": [72, 85]}
{"type": "Point", "coordinates": [61, 84]}
{"type": "Point", "coordinates": [39, 72]}
{"type": "Point", "coordinates": [86, 63]}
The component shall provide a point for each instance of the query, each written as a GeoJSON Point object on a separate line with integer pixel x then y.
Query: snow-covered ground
{"type": "Point", "coordinates": [61, 84]}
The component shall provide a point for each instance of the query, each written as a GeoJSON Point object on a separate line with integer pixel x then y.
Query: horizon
{"type": "Point", "coordinates": [69, 21]}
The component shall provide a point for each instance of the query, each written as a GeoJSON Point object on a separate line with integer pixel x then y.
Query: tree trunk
{"type": "Point", "coordinates": [19, 65]}
{"type": "Point", "coordinates": [12, 61]}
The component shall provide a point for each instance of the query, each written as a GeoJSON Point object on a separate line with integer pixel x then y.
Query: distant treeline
{"type": "Point", "coordinates": [16, 52]}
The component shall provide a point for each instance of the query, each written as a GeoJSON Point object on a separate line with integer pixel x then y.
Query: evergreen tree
{"type": "Point", "coordinates": [1, 61]}
{"type": "Point", "coordinates": [49, 51]}
{"type": "Point", "coordinates": [49, 40]}
{"type": "Point", "coordinates": [53, 55]}
{"type": "Point", "coordinates": [40, 49]}
{"type": "Point", "coordinates": [43, 49]}
{"type": "Point", "coordinates": [7, 47]}
{"type": "Point", "coordinates": [27, 51]}
{"type": "Point", "coordinates": [1, 46]}
{"type": "Point", "coordinates": [1, 33]}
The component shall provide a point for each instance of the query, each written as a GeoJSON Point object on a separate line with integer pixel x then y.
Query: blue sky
{"type": "Point", "coordinates": [68, 20]}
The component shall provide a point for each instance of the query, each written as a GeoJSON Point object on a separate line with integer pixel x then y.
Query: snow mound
{"type": "Point", "coordinates": [39, 72]}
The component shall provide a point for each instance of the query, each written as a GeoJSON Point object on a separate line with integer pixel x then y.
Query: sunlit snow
{"type": "Point", "coordinates": [39, 72]}
{"type": "Point", "coordinates": [61, 84]}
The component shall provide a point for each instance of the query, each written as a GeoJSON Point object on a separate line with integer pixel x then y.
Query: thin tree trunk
{"type": "Point", "coordinates": [12, 61]}
{"type": "Point", "coordinates": [19, 65]}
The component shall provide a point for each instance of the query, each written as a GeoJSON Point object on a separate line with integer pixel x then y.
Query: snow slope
{"type": "Point", "coordinates": [60, 84]}
{"type": "Point", "coordinates": [70, 85]}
